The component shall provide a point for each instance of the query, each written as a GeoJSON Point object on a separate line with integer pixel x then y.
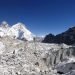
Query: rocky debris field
{"type": "Point", "coordinates": [34, 58]}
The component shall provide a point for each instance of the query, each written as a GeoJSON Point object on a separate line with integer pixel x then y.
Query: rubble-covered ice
{"type": "Point", "coordinates": [34, 58]}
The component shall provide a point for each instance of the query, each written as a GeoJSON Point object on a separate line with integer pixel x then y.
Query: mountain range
{"type": "Point", "coordinates": [21, 32]}
{"type": "Point", "coordinates": [17, 31]}
{"type": "Point", "coordinates": [67, 37]}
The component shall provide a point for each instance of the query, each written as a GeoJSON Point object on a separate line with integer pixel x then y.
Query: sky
{"type": "Point", "coordinates": [41, 17]}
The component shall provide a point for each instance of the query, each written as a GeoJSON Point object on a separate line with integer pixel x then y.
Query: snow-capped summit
{"type": "Point", "coordinates": [4, 24]}
{"type": "Point", "coordinates": [17, 31]}
{"type": "Point", "coordinates": [4, 27]}
{"type": "Point", "coordinates": [20, 31]}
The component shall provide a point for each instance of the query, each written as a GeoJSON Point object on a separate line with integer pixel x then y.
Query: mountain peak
{"type": "Point", "coordinates": [17, 31]}
{"type": "Point", "coordinates": [20, 23]}
{"type": "Point", "coordinates": [67, 37]}
{"type": "Point", "coordinates": [4, 24]}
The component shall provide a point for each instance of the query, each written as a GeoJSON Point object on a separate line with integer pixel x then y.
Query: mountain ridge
{"type": "Point", "coordinates": [67, 37]}
{"type": "Point", "coordinates": [18, 30]}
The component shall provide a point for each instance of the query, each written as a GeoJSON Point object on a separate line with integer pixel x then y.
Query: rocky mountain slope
{"type": "Point", "coordinates": [67, 37]}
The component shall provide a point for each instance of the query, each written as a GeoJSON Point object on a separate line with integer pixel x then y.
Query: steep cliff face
{"type": "Point", "coordinates": [67, 37]}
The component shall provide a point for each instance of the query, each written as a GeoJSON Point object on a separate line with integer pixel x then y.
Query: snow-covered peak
{"type": "Point", "coordinates": [20, 31]}
{"type": "Point", "coordinates": [4, 24]}
{"type": "Point", "coordinates": [17, 31]}
{"type": "Point", "coordinates": [19, 25]}
{"type": "Point", "coordinates": [4, 27]}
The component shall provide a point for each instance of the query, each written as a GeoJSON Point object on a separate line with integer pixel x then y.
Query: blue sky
{"type": "Point", "coordinates": [40, 16]}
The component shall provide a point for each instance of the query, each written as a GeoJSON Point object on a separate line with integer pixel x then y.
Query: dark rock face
{"type": "Point", "coordinates": [67, 37]}
{"type": "Point", "coordinates": [49, 38]}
